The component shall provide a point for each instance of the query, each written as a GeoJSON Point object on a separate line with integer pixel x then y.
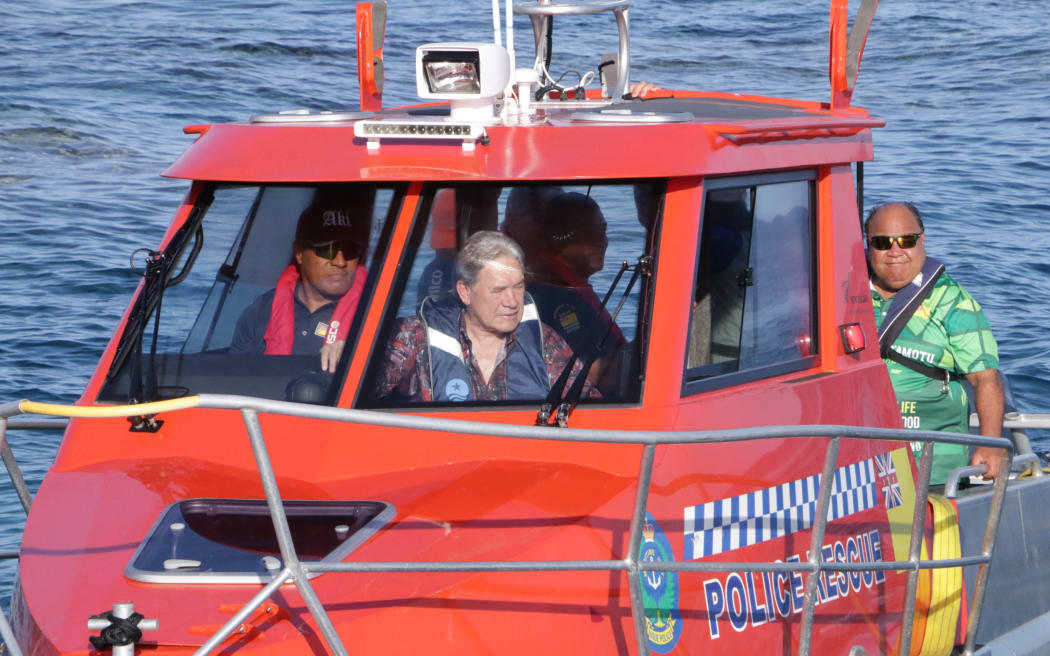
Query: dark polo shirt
{"type": "Point", "coordinates": [310, 327]}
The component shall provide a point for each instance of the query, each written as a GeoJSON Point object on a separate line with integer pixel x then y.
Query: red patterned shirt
{"type": "Point", "coordinates": [407, 368]}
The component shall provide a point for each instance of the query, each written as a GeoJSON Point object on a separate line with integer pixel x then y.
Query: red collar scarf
{"type": "Point", "coordinates": [280, 332]}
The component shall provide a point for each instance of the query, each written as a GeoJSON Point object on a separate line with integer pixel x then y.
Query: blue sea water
{"type": "Point", "coordinates": [94, 95]}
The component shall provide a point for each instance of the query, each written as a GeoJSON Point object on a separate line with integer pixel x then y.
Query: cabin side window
{"type": "Point", "coordinates": [247, 292]}
{"type": "Point", "coordinates": [575, 240]}
{"type": "Point", "coordinates": [754, 302]}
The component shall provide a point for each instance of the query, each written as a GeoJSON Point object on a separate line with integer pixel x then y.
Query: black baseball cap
{"type": "Point", "coordinates": [320, 224]}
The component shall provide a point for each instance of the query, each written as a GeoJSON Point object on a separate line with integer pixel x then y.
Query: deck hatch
{"type": "Point", "coordinates": [233, 541]}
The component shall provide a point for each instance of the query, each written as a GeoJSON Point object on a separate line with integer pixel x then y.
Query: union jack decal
{"type": "Point", "coordinates": [887, 473]}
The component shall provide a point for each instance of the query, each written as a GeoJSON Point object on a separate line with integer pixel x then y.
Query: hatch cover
{"type": "Point", "coordinates": [233, 540]}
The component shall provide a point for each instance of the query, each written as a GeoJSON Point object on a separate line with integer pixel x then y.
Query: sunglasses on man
{"type": "Point", "coordinates": [885, 242]}
{"type": "Point", "coordinates": [351, 250]}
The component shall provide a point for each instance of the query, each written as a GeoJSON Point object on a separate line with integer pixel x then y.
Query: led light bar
{"type": "Point", "coordinates": [390, 128]}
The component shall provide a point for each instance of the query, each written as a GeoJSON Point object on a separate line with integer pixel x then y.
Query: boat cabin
{"type": "Point", "coordinates": [696, 258]}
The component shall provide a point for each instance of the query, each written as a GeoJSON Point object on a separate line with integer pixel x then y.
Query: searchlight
{"type": "Point", "coordinates": [468, 75]}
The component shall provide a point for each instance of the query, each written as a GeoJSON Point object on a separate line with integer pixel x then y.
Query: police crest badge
{"type": "Point", "coordinates": [663, 619]}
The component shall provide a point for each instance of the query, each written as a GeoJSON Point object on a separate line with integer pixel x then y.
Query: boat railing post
{"type": "Point", "coordinates": [284, 534]}
{"type": "Point", "coordinates": [541, 11]}
{"type": "Point", "coordinates": [918, 524]}
{"type": "Point", "coordinates": [14, 472]}
{"type": "Point", "coordinates": [1022, 443]}
{"type": "Point", "coordinates": [7, 410]}
{"type": "Point", "coordinates": [623, 60]}
{"type": "Point", "coordinates": [1016, 422]}
{"type": "Point", "coordinates": [820, 522]}
{"type": "Point", "coordinates": [11, 645]}
{"type": "Point", "coordinates": [981, 581]}
{"type": "Point", "coordinates": [634, 581]}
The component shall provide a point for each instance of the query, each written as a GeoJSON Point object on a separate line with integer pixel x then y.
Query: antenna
{"type": "Point", "coordinates": [510, 44]}
{"type": "Point", "coordinates": [497, 37]}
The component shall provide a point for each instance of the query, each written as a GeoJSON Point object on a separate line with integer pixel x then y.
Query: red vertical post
{"type": "Point", "coordinates": [841, 91]}
{"type": "Point", "coordinates": [370, 53]}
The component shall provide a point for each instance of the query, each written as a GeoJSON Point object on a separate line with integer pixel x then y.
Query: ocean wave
{"type": "Point", "coordinates": [272, 48]}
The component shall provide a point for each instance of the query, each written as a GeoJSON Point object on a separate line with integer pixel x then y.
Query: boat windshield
{"type": "Point", "coordinates": [574, 238]}
{"type": "Point", "coordinates": [261, 277]}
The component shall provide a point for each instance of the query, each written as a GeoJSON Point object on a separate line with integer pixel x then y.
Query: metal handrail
{"type": "Point", "coordinates": [951, 483]}
{"type": "Point", "coordinates": [1017, 423]}
{"type": "Point", "coordinates": [297, 571]}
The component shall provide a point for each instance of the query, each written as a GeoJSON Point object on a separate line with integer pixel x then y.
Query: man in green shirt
{"type": "Point", "coordinates": [947, 335]}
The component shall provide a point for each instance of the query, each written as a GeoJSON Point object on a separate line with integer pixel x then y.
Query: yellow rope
{"type": "Point", "coordinates": [56, 410]}
{"type": "Point", "coordinates": [1028, 472]}
{"type": "Point", "coordinates": [946, 582]}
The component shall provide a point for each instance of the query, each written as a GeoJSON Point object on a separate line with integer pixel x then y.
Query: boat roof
{"type": "Point", "coordinates": [680, 133]}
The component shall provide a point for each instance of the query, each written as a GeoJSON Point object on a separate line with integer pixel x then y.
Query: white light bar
{"type": "Point", "coordinates": [393, 128]}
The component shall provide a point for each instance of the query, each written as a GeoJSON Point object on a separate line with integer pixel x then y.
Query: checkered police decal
{"type": "Point", "coordinates": [774, 512]}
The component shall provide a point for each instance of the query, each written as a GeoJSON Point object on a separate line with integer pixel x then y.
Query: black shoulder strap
{"type": "Point", "coordinates": [906, 302]}
{"type": "Point", "coordinates": [926, 370]}
{"type": "Point", "coordinates": [904, 305]}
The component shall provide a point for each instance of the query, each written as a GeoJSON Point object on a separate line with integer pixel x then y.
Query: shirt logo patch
{"type": "Point", "coordinates": [566, 316]}
{"type": "Point", "coordinates": [322, 329]}
{"type": "Point", "coordinates": [457, 389]}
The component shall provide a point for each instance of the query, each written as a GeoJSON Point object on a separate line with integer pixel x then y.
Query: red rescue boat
{"type": "Point", "coordinates": [732, 477]}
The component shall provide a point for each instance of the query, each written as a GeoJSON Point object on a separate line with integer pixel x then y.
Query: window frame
{"type": "Point", "coordinates": [694, 384]}
{"type": "Point", "coordinates": [399, 286]}
{"type": "Point", "coordinates": [197, 218]}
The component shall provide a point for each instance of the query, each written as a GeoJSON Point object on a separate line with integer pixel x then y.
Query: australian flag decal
{"type": "Point", "coordinates": [887, 473]}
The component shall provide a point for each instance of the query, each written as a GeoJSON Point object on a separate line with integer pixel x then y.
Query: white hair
{"type": "Point", "coordinates": [482, 248]}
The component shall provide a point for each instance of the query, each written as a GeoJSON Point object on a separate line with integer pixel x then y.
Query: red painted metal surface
{"type": "Point", "coordinates": [473, 498]}
{"type": "Point", "coordinates": [311, 153]}
{"type": "Point", "coordinates": [368, 58]}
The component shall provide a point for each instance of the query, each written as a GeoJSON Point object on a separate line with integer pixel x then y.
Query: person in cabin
{"type": "Point", "coordinates": [931, 334]}
{"type": "Point", "coordinates": [484, 343]}
{"type": "Point", "coordinates": [568, 243]}
{"type": "Point", "coordinates": [313, 304]}
{"type": "Point", "coordinates": [566, 237]}
{"type": "Point", "coordinates": [439, 276]}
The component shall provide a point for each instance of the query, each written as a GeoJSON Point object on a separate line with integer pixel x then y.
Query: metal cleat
{"type": "Point", "coordinates": [120, 628]}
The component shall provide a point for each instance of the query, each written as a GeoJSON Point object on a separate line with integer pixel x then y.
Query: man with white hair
{"type": "Point", "coordinates": [486, 343]}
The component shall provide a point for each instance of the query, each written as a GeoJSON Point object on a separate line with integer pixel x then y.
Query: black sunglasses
{"type": "Point", "coordinates": [885, 242]}
{"type": "Point", "coordinates": [351, 250]}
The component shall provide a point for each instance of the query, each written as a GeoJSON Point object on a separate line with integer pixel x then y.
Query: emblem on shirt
{"type": "Point", "coordinates": [566, 316]}
{"type": "Point", "coordinates": [457, 389]}
{"type": "Point", "coordinates": [663, 619]}
{"type": "Point", "coordinates": [322, 329]}
{"type": "Point", "coordinates": [333, 332]}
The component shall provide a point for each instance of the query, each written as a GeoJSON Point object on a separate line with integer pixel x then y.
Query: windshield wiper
{"type": "Point", "coordinates": [554, 396]}
{"type": "Point", "coordinates": [142, 389]}
{"type": "Point", "coordinates": [131, 340]}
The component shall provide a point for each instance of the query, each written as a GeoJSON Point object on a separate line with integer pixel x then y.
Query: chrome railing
{"type": "Point", "coordinates": [24, 496]}
{"type": "Point", "coordinates": [1018, 423]}
{"type": "Point", "coordinates": [298, 572]}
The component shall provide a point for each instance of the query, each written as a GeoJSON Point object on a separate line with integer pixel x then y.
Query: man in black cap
{"type": "Point", "coordinates": [313, 304]}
